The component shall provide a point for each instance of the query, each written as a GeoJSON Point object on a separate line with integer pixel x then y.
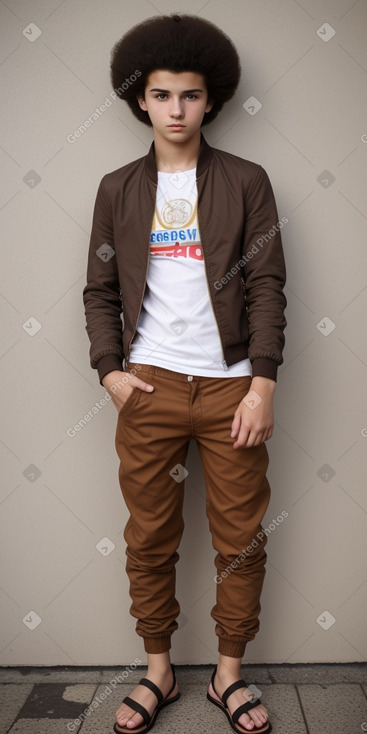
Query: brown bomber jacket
{"type": "Point", "coordinates": [243, 256]}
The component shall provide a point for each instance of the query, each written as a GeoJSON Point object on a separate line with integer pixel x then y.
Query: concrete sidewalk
{"type": "Point", "coordinates": [300, 699]}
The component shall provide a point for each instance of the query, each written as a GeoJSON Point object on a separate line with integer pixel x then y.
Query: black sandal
{"type": "Point", "coordinates": [233, 720]}
{"type": "Point", "coordinates": [148, 719]}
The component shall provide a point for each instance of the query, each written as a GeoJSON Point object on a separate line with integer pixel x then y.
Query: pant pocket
{"type": "Point", "coordinates": [130, 403]}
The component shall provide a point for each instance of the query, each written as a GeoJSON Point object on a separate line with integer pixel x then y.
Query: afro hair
{"type": "Point", "coordinates": [176, 43]}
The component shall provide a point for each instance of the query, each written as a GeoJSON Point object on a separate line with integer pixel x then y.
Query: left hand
{"type": "Point", "coordinates": [254, 425]}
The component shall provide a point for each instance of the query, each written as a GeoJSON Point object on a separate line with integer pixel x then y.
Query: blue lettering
{"type": "Point", "coordinates": [172, 235]}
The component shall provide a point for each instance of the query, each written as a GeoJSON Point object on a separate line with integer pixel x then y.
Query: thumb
{"type": "Point", "coordinates": [145, 386]}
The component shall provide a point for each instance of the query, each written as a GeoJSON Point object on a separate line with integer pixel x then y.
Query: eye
{"type": "Point", "coordinates": [162, 94]}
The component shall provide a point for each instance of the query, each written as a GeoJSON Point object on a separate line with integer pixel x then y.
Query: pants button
{"type": "Point", "coordinates": [189, 377]}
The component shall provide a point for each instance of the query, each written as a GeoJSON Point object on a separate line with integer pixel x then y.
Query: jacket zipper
{"type": "Point", "coordinates": [224, 363]}
{"type": "Point", "coordinates": [141, 303]}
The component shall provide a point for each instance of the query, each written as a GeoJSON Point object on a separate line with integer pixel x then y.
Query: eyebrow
{"type": "Point", "coordinates": [166, 91]}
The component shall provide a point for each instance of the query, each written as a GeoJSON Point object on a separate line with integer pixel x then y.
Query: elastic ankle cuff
{"type": "Point", "coordinates": [231, 648]}
{"type": "Point", "coordinates": [157, 644]}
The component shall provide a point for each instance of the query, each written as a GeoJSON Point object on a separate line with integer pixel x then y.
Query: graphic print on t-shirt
{"type": "Point", "coordinates": [175, 230]}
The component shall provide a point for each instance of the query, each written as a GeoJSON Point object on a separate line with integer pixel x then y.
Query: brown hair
{"type": "Point", "coordinates": [176, 43]}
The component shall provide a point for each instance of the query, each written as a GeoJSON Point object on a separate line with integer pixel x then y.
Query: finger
{"type": "Point", "coordinates": [141, 384]}
{"type": "Point", "coordinates": [235, 426]}
{"type": "Point", "coordinates": [148, 387]}
{"type": "Point", "coordinates": [258, 437]}
{"type": "Point", "coordinates": [242, 432]}
{"type": "Point", "coordinates": [253, 438]}
{"type": "Point", "coordinates": [242, 438]}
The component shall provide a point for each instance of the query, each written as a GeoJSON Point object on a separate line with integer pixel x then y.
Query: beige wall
{"type": "Point", "coordinates": [60, 494]}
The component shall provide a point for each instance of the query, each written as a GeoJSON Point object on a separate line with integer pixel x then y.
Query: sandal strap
{"type": "Point", "coordinates": [244, 709]}
{"type": "Point", "coordinates": [157, 692]}
{"type": "Point", "coordinates": [138, 708]}
{"type": "Point", "coordinates": [234, 687]}
{"type": "Point", "coordinates": [174, 680]}
{"type": "Point", "coordinates": [152, 686]}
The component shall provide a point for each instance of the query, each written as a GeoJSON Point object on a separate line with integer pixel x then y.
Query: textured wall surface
{"type": "Point", "coordinates": [300, 111]}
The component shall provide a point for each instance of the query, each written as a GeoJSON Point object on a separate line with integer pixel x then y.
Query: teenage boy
{"type": "Point", "coordinates": [185, 283]}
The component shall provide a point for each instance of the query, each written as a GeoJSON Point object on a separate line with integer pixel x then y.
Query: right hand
{"type": "Point", "coordinates": [119, 386]}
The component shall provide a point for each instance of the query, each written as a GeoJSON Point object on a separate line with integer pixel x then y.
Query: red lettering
{"type": "Point", "coordinates": [195, 252]}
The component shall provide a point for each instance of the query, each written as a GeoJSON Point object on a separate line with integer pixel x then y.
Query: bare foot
{"type": "Point", "coordinates": [131, 720]}
{"type": "Point", "coordinates": [256, 717]}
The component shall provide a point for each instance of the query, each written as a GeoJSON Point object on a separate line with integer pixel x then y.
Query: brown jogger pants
{"type": "Point", "coordinates": [152, 439]}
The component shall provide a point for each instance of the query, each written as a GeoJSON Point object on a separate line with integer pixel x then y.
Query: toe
{"type": "Point", "coordinates": [246, 722]}
{"type": "Point", "coordinates": [132, 723]}
{"type": "Point", "coordinates": [254, 719]}
{"type": "Point", "coordinates": [127, 717]}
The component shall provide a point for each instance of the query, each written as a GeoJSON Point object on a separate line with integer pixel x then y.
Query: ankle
{"type": "Point", "coordinates": [159, 664]}
{"type": "Point", "coordinates": [223, 675]}
{"type": "Point", "coordinates": [228, 668]}
{"type": "Point", "coordinates": [227, 674]}
{"type": "Point", "coordinates": [160, 672]}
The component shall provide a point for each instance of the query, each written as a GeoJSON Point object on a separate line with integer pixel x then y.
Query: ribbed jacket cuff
{"type": "Point", "coordinates": [108, 363]}
{"type": "Point", "coordinates": [263, 367]}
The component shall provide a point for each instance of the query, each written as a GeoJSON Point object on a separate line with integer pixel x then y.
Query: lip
{"type": "Point", "coordinates": [177, 126]}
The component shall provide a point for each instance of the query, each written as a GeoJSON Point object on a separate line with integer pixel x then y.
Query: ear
{"type": "Point", "coordinates": [209, 105]}
{"type": "Point", "coordinates": [141, 102]}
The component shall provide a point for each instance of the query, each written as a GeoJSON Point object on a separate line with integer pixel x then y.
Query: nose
{"type": "Point", "coordinates": [176, 107]}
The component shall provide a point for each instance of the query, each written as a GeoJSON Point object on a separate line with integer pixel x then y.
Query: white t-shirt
{"type": "Point", "coordinates": [177, 327]}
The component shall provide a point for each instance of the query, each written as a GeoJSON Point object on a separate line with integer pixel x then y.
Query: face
{"type": "Point", "coordinates": [175, 99]}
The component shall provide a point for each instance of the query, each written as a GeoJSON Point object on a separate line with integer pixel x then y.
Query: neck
{"type": "Point", "coordinates": [171, 156]}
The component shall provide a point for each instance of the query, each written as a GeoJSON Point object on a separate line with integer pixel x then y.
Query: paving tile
{"type": "Point", "coordinates": [48, 700]}
{"type": "Point", "coordinates": [123, 674]}
{"type": "Point", "coordinates": [339, 708]}
{"type": "Point", "coordinates": [283, 706]}
{"type": "Point", "coordinates": [40, 726]}
{"type": "Point", "coordinates": [25, 674]}
{"type": "Point", "coordinates": [322, 673]}
{"type": "Point", "coordinates": [12, 698]}
{"type": "Point", "coordinates": [45, 706]}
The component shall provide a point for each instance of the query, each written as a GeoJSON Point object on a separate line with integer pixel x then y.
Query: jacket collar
{"type": "Point", "coordinates": [206, 153]}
